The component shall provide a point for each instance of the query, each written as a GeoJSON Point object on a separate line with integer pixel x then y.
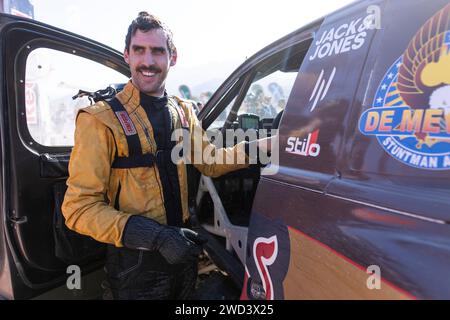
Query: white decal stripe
{"type": "Point", "coordinates": [318, 96]}
{"type": "Point", "coordinates": [317, 85]}
{"type": "Point", "coordinates": [329, 84]}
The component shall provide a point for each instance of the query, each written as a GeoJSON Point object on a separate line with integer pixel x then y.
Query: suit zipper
{"type": "Point", "coordinates": [149, 140]}
{"type": "Point", "coordinates": [147, 134]}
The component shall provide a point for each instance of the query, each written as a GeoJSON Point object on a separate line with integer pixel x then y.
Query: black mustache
{"type": "Point", "coordinates": [149, 69]}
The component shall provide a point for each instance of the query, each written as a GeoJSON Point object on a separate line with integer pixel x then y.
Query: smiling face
{"type": "Point", "coordinates": [149, 60]}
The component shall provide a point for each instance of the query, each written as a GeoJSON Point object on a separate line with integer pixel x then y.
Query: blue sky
{"type": "Point", "coordinates": [212, 37]}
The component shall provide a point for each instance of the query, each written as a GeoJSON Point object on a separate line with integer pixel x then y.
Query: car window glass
{"type": "Point", "coordinates": [52, 79]}
{"type": "Point", "coordinates": [267, 96]}
{"type": "Point", "coordinates": [220, 120]}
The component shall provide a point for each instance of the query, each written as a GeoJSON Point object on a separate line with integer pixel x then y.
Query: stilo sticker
{"type": "Point", "coordinates": [411, 111]}
{"type": "Point", "coordinates": [306, 147]}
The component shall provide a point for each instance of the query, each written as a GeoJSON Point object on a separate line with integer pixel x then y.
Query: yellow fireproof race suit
{"type": "Point", "coordinates": [93, 184]}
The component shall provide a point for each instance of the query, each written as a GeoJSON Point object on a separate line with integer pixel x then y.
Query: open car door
{"type": "Point", "coordinates": [251, 100]}
{"type": "Point", "coordinates": [42, 68]}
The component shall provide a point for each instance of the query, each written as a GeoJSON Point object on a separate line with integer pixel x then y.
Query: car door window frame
{"type": "Point", "coordinates": [21, 211]}
{"type": "Point", "coordinates": [241, 86]}
{"type": "Point", "coordinates": [18, 80]}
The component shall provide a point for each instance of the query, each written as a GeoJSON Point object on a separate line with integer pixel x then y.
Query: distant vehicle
{"type": "Point", "coordinates": [358, 207]}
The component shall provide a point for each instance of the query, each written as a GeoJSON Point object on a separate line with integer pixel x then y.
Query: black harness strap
{"type": "Point", "coordinates": [134, 145]}
{"type": "Point", "coordinates": [135, 157]}
{"type": "Point", "coordinates": [137, 161]}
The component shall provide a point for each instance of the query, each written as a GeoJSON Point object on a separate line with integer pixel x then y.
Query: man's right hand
{"type": "Point", "coordinates": [176, 245]}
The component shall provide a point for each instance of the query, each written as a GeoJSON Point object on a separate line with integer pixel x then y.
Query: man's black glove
{"type": "Point", "coordinates": [176, 245]}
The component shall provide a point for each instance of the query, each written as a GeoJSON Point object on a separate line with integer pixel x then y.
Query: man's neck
{"type": "Point", "coordinates": [157, 102]}
{"type": "Point", "coordinates": [154, 95]}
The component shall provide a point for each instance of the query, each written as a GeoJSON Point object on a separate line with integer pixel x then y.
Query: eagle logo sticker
{"type": "Point", "coordinates": [410, 116]}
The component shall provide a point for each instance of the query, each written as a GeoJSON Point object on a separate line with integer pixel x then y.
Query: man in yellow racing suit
{"type": "Point", "coordinates": [123, 187]}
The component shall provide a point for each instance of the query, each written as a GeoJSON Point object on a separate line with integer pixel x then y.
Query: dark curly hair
{"type": "Point", "coordinates": [146, 22]}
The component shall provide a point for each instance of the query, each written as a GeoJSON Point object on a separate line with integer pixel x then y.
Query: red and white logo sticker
{"type": "Point", "coordinates": [307, 147]}
{"type": "Point", "coordinates": [127, 124]}
{"type": "Point", "coordinates": [265, 252]}
{"type": "Point", "coordinates": [184, 122]}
